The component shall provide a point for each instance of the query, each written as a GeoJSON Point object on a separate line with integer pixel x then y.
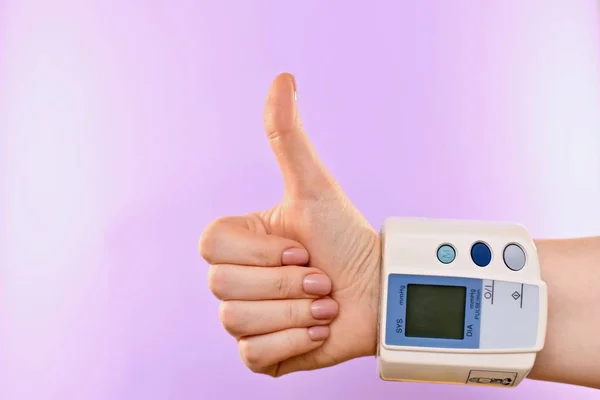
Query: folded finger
{"type": "Point", "coordinates": [249, 318]}
{"type": "Point", "coordinates": [244, 241]}
{"type": "Point", "coordinates": [263, 353]}
{"type": "Point", "coordinates": [234, 282]}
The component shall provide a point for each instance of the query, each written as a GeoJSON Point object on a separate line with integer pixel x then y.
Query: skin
{"type": "Point", "coordinates": [571, 268]}
{"type": "Point", "coordinates": [299, 282]}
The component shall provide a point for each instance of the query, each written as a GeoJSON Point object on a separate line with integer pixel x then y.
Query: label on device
{"type": "Point", "coordinates": [497, 378]}
{"type": "Point", "coordinates": [460, 313]}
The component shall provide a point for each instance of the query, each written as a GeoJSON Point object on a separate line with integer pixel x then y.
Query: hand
{"type": "Point", "coordinates": [256, 261]}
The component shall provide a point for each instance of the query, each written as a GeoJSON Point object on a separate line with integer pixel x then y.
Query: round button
{"type": "Point", "coordinates": [446, 254]}
{"type": "Point", "coordinates": [481, 254]}
{"type": "Point", "coordinates": [514, 257]}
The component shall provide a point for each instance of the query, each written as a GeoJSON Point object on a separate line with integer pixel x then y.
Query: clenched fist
{"type": "Point", "coordinates": [299, 282]}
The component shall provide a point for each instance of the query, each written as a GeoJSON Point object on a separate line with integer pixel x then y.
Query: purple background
{"type": "Point", "coordinates": [127, 126]}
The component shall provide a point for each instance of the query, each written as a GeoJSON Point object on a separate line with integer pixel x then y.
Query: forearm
{"type": "Point", "coordinates": [571, 269]}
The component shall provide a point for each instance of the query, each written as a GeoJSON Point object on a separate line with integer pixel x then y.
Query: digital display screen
{"type": "Point", "coordinates": [435, 311]}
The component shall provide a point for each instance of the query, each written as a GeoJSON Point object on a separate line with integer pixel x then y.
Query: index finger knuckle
{"type": "Point", "coordinates": [210, 238]}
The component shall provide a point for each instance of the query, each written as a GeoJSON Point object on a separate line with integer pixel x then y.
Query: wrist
{"type": "Point", "coordinates": [570, 269]}
{"type": "Point", "coordinates": [375, 296]}
{"type": "Point", "coordinates": [372, 290]}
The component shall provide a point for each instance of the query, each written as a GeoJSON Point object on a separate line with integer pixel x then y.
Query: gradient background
{"type": "Point", "coordinates": [127, 126]}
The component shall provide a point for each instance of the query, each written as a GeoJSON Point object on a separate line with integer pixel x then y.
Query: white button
{"type": "Point", "coordinates": [514, 257]}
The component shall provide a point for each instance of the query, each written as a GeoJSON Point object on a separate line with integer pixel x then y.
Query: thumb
{"type": "Point", "coordinates": [304, 174]}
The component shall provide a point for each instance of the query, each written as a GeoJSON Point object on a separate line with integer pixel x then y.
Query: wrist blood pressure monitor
{"type": "Point", "coordinates": [461, 302]}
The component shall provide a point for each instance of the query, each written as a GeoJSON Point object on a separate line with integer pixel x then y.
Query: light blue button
{"type": "Point", "coordinates": [446, 254]}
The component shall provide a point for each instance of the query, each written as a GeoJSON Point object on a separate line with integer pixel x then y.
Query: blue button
{"type": "Point", "coordinates": [481, 254]}
{"type": "Point", "coordinates": [446, 254]}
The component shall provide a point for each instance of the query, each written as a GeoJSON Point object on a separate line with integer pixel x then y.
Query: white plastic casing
{"type": "Point", "coordinates": [513, 329]}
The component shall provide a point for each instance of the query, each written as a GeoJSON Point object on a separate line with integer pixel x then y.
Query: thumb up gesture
{"type": "Point", "coordinates": [299, 282]}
